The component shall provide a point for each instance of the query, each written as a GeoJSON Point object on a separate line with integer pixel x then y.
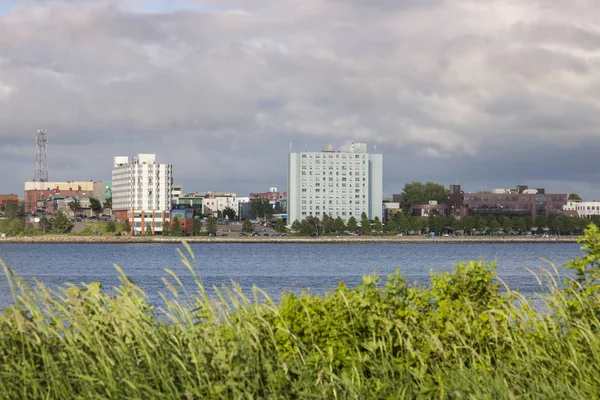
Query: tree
{"type": "Point", "coordinates": [494, 225]}
{"type": "Point", "coordinates": [95, 205]}
{"type": "Point", "coordinates": [11, 211]}
{"type": "Point", "coordinates": [111, 226]}
{"type": "Point", "coordinates": [176, 228]}
{"type": "Point", "coordinates": [44, 224]}
{"type": "Point", "coordinates": [229, 213]}
{"type": "Point", "coordinates": [61, 223]}
{"type": "Point", "coordinates": [296, 226]}
{"type": "Point", "coordinates": [575, 197]}
{"type": "Point", "coordinates": [126, 226]}
{"type": "Point", "coordinates": [421, 193]}
{"type": "Point", "coordinates": [74, 205]}
{"type": "Point", "coordinates": [260, 208]}
{"type": "Point", "coordinates": [166, 229]}
{"type": "Point", "coordinates": [148, 229]}
{"type": "Point", "coordinates": [107, 203]}
{"type": "Point", "coordinates": [402, 223]}
{"type": "Point", "coordinates": [507, 224]}
{"type": "Point", "coordinates": [377, 226]}
{"type": "Point", "coordinates": [280, 226]}
{"type": "Point", "coordinates": [436, 223]}
{"type": "Point", "coordinates": [416, 224]}
{"type": "Point", "coordinates": [327, 223]}
{"type": "Point", "coordinates": [365, 224]}
{"type": "Point", "coordinates": [211, 226]}
{"type": "Point", "coordinates": [197, 226]}
{"type": "Point", "coordinates": [338, 225]}
{"type": "Point", "coordinates": [390, 226]}
{"type": "Point", "coordinates": [247, 226]}
{"type": "Point", "coordinates": [311, 226]}
{"type": "Point", "coordinates": [352, 224]}
{"type": "Point", "coordinates": [15, 227]}
{"type": "Point", "coordinates": [519, 224]}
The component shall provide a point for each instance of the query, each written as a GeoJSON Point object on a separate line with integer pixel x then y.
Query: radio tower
{"type": "Point", "coordinates": [41, 162]}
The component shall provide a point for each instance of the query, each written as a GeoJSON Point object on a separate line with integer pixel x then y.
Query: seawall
{"type": "Point", "coordinates": [287, 239]}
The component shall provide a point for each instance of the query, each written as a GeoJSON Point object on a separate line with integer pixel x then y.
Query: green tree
{"type": "Point", "coordinates": [540, 222]}
{"type": "Point", "coordinates": [111, 227]}
{"type": "Point", "coordinates": [95, 205]}
{"type": "Point", "coordinates": [219, 214]}
{"type": "Point", "coordinates": [327, 223]}
{"type": "Point", "coordinates": [311, 226]}
{"type": "Point", "coordinates": [507, 224]}
{"type": "Point", "coordinates": [365, 224]}
{"type": "Point", "coordinates": [211, 226]}
{"type": "Point", "coordinates": [148, 229]}
{"type": "Point", "coordinates": [229, 213]}
{"type": "Point", "coordinates": [260, 208]}
{"type": "Point", "coordinates": [528, 222]}
{"type": "Point", "coordinates": [74, 205]}
{"type": "Point", "coordinates": [519, 224]}
{"type": "Point", "coordinates": [197, 226]}
{"type": "Point", "coordinates": [11, 211]}
{"type": "Point", "coordinates": [176, 228]}
{"type": "Point", "coordinates": [436, 223]}
{"type": "Point", "coordinates": [421, 193]}
{"type": "Point", "coordinates": [339, 225]}
{"type": "Point", "coordinates": [280, 226]}
{"type": "Point", "coordinates": [126, 226]}
{"type": "Point", "coordinates": [44, 224]}
{"type": "Point", "coordinates": [61, 223]}
{"type": "Point", "coordinates": [15, 227]}
{"type": "Point", "coordinates": [352, 224]}
{"type": "Point", "coordinates": [456, 224]}
{"type": "Point", "coordinates": [416, 225]}
{"type": "Point", "coordinates": [166, 229]}
{"type": "Point", "coordinates": [107, 203]}
{"type": "Point", "coordinates": [247, 226]}
{"type": "Point", "coordinates": [296, 226]}
{"type": "Point", "coordinates": [390, 226]}
{"type": "Point", "coordinates": [574, 197]}
{"type": "Point", "coordinates": [494, 226]}
{"type": "Point", "coordinates": [469, 224]}
{"type": "Point", "coordinates": [377, 226]}
{"type": "Point", "coordinates": [403, 223]}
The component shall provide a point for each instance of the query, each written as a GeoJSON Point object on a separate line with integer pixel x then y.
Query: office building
{"type": "Point", "coordinates": [337, 183]}
{"type": "Point", "coordinates": [141, 191]}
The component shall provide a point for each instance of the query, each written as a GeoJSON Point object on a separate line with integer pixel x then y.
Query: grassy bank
{"type": "Point", "coordinates": [460, 337]}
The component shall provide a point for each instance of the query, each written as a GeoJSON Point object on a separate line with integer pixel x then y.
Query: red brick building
{"type": "Point", "coordinates": [8, 198]}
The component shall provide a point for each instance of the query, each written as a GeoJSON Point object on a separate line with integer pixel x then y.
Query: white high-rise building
{"type": "Point", "coordinates": [141, 192]}
{"type": "Point", "coordinates": [337, 183]}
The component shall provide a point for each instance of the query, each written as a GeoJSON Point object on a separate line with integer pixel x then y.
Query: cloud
{"type": "Point", "coordinates": [220, 88]}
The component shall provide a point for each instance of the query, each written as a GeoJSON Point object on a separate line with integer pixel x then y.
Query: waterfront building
{"type": "Point", "coordinates": [141, 191]}
{"type": "Point", "coordinates": [519, 202]}
{"type": "Point", "coordinates": [584, 209]}
{"type": "Point", "coordinates": [7, 199]}
{"type": "Point", "coordinates": [39, 195]}
{"type": "Point", "coordinates": [337, 183]}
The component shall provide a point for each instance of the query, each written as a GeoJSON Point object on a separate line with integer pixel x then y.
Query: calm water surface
{"type": "Point", "coordinates": [273, 267]}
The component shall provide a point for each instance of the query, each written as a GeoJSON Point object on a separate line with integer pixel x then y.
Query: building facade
{"type": "Point", "coordinates": [38, 194]}
{"type": "Point", "coordinates": [584, 209]}
{"type": "Point", "coordinates": [519, 202]}
{"type": "Point", "coordinates": [141, 192]}
{"type": "Point", "coordinates": [337, 183]}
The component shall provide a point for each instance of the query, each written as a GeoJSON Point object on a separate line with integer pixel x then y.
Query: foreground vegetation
{"type": "Point", "coordinates": [463, 336]}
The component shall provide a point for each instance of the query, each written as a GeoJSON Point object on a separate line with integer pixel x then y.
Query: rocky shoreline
{"type": "Point", "coordinates": [289, 239]}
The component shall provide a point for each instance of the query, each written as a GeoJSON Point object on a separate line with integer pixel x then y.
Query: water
{"type": "Point", "coordinates": [273, 267]}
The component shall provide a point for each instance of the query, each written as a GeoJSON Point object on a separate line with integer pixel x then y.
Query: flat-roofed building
{"type": "Point", "coordinates": [584, 209]}
{"type": "Point", "coordinates": [337, 183]}
{"type": "Point", "coordinates": [141, 192]}
{"type": "Point", "coordinates": [37, 193]}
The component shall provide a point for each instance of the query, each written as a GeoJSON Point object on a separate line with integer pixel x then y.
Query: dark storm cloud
{"type": "Point", "coordinates": [489, 93]}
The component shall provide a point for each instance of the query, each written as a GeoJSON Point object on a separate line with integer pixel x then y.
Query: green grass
{"type": "Point", "coordinates": [461, 337]}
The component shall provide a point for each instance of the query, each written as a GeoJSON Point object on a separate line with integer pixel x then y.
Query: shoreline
{"type": "Point", "coordinates": [71, 239]}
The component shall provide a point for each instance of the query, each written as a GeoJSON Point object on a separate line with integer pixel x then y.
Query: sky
{"type": "Point", "coordinates": [487, 94]}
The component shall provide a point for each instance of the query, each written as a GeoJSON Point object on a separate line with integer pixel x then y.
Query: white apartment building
{"type": "Point", "coordinates": [337, 183]}
{"type": "Point", "coordinates": [585, 209]}
{"type": "Point", "coordinates": [142, 191]}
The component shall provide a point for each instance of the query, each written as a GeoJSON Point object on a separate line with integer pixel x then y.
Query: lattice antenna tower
{"type": "Point", "coordinates": [41, 162]}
